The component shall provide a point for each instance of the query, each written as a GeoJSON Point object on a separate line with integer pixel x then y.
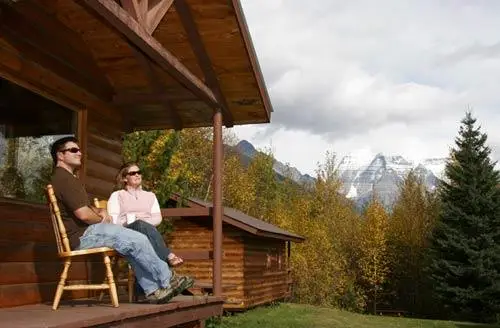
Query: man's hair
{"type": "Point", "coordinates": [58, 145]}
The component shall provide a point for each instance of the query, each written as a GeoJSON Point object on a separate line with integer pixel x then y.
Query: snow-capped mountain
{"type": "Point", "coordinates": [362, 179]}
{"type": "Point", "coordinates": [383, 175]}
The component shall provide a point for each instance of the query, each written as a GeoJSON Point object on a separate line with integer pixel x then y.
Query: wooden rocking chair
{"type": "Point", "coordinates": [64, 251]}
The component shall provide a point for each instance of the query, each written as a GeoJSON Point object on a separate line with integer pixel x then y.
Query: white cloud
{"type": "Point", "coordinates": [388, 76]}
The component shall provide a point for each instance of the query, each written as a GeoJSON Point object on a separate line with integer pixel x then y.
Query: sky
{"type": "Point", "coordinates": [367, 77]}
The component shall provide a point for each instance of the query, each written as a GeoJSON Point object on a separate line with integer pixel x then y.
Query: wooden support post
{"type": "Point", "coordinates": [288, 251]}
{"type": "Point", "coordinates": [82, 135]}
{"type": "Point", "coordinates": [217, 200]}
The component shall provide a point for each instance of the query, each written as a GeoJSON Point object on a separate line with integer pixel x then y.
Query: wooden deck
{"type": "Point", "coordinates": [185, 311]}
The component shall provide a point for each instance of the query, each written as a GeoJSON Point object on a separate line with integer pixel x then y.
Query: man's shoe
{"type": "Point", "coordinates": [187, 282]}
{"type": "Point", "coordinates": [161, 296]}
{"type": "Point", "coordinates": [177, 285]}
{"type": "Point", "coordinates": [181, 283]}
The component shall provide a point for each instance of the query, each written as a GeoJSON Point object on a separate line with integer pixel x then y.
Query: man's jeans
{"type": "Point", "coordinates": [151, 272]}
{"type": "Point", "coordinates": [155, 238]}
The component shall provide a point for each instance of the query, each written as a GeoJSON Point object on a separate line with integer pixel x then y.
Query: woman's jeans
{"type": "Point", "coordinates": [151, 271]}
{"type": "Point", "coordinates": [155, 238]}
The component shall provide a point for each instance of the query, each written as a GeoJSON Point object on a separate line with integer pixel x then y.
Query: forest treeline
{"type": "Point", "coordinates": [434, 254]}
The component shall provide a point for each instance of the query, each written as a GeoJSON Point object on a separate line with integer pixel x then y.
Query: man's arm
{"type": "Point", "coordinates": [91, 216]}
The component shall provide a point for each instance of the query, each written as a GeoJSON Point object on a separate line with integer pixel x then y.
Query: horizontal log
{"type": "Point", "coordinates": [27, 205]}
{"type": "Point", "coordinates": [191, 255]}
{"type": "Point", "coordinates": [14, 210]}
{"type": "Point", "coordinates": [185, 211]}
{"type": "Point", "coordinates": [22, 231]}
{"type": "Point", "coordinates": [104, 156]}
{"type": "Point", "coordinates": [21, 294]}
{"type": "Point", "coordinates": [262, 274]}
{"type": "Point", "coordinates": [38, 272]}
{"type": "Point", "coordinates": [27, 251]}
{"type": "Point", "coordinates": [30, 251]}
{"type": "Point", "coordinates": [99, 187]}
{"type": "Point", "coordinates": [270, 292]}
{"type": "Point", "coordinates": [101, 171]}
{"type": "Point", "coordinates": [108, 127]}
{"type": "Point", "coordinates": [209, 286]}
{"type": "Point", "coordinates": [105, 142]}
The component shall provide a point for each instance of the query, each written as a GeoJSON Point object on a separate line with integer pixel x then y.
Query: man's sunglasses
{"type": "Point", "coordinates": [131, 173]}
{"type": "Point", "coordinates": [73, 150]}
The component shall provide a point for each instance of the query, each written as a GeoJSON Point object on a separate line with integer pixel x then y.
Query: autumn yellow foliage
{"type": "Point", "coordinates": [347, 259]}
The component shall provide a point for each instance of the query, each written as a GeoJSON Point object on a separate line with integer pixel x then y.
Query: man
{"type": "Point", "coordinates": [90, 227]}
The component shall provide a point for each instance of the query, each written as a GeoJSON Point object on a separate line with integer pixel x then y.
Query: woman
{"type": "Point", "coordinates": [139, 210]}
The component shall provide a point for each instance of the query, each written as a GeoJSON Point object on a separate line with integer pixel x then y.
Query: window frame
{"type": "Point", "coordinates": [81, 134]}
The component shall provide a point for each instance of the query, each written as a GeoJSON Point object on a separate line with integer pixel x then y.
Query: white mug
{"type": "Point", "coordinates": [130, 218]}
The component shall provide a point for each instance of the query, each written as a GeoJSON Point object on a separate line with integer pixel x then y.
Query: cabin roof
{"type": "Point", "coordinates": [245, 222]}
{"type": "Point", "coordinates": [168, 68]}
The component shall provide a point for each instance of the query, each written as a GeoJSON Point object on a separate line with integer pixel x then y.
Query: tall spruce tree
{"type": "Point", "coordinates": [465, 246]}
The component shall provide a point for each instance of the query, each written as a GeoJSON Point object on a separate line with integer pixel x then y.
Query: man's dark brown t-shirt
{"type": "Point", "coordinates": [71, 195]}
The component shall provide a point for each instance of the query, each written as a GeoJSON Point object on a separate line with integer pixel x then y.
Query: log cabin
{"type": "Point", "coordinates": [97, 69]}
{"type": "Point", "coordinates": [255, 259]}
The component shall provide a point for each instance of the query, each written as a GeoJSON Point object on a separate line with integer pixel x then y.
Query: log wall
{"type": "Point", "coordinates": [196, 234]}
{"type": "Point", "coordinates": [265, 271]}
{"type": "Point", "coordinates": [254, 269]}
{"type": "Point", "coordinates": [29, 266]}
{"type": "Point", "coordinates": [104, 155]}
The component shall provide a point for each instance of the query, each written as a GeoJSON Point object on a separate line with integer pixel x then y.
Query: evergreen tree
{"type": "Point", "coordinates": [465, 247]}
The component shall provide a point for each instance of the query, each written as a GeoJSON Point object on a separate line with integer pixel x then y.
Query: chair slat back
{"type": "Point", "coordinates": [100, 203]}
{"type": "Point", "coordinates": [57, 222]}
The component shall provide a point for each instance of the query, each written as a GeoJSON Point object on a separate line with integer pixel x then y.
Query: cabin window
{"type": "Point", "coordinates": [274, 259]}
{"type": "Point", "coordinates": [29, 123]}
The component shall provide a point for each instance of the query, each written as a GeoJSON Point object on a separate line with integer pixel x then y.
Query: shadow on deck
{"type": "Point", "coordinates": [184, 311]}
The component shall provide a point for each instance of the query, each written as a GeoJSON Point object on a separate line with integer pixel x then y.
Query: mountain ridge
{"type": "Point", "coordinates": [380, 176]}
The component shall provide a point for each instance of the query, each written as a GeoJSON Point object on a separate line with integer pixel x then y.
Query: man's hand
{"type": "Point", "coordinates": [106, 218]}
{"type": "Point", "coordinates": [92, 215]}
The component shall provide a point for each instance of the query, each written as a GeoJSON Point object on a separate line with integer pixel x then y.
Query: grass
{"type": "Point", "coordinates": [305, 316]}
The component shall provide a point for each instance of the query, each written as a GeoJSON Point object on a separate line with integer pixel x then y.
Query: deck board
{"type": "Point", "coordinates": [89, 313]}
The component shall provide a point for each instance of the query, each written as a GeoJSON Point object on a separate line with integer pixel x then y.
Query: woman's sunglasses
{"type": "Point", "coordinates": [131, 173]}
{"type": "Point", "coordinates": [73, 150]}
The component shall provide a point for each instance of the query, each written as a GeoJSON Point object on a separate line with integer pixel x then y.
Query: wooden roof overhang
{"type": "Point", "coordinates": [162, 63]}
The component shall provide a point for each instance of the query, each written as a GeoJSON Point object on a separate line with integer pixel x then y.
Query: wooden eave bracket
{"type": "Point", "coordinates": [203, 58]}
{"type": "Point", "coordinates": [137, 35]}
{"type": "Point", "coordinates": [148, 13]}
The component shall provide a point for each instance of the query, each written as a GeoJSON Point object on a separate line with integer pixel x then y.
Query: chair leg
{"type": "Point", "coordinates": [114, 265]}
{"type": "Point", "coordinates": [111, 281]}
{"type": "Point", "coordinates": [62, 282]}
{"type": "Point", "coordinates": [130, 284]}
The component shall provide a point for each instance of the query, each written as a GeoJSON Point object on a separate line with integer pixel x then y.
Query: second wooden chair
{"type": "Point", "coordinates": [130, 275]}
